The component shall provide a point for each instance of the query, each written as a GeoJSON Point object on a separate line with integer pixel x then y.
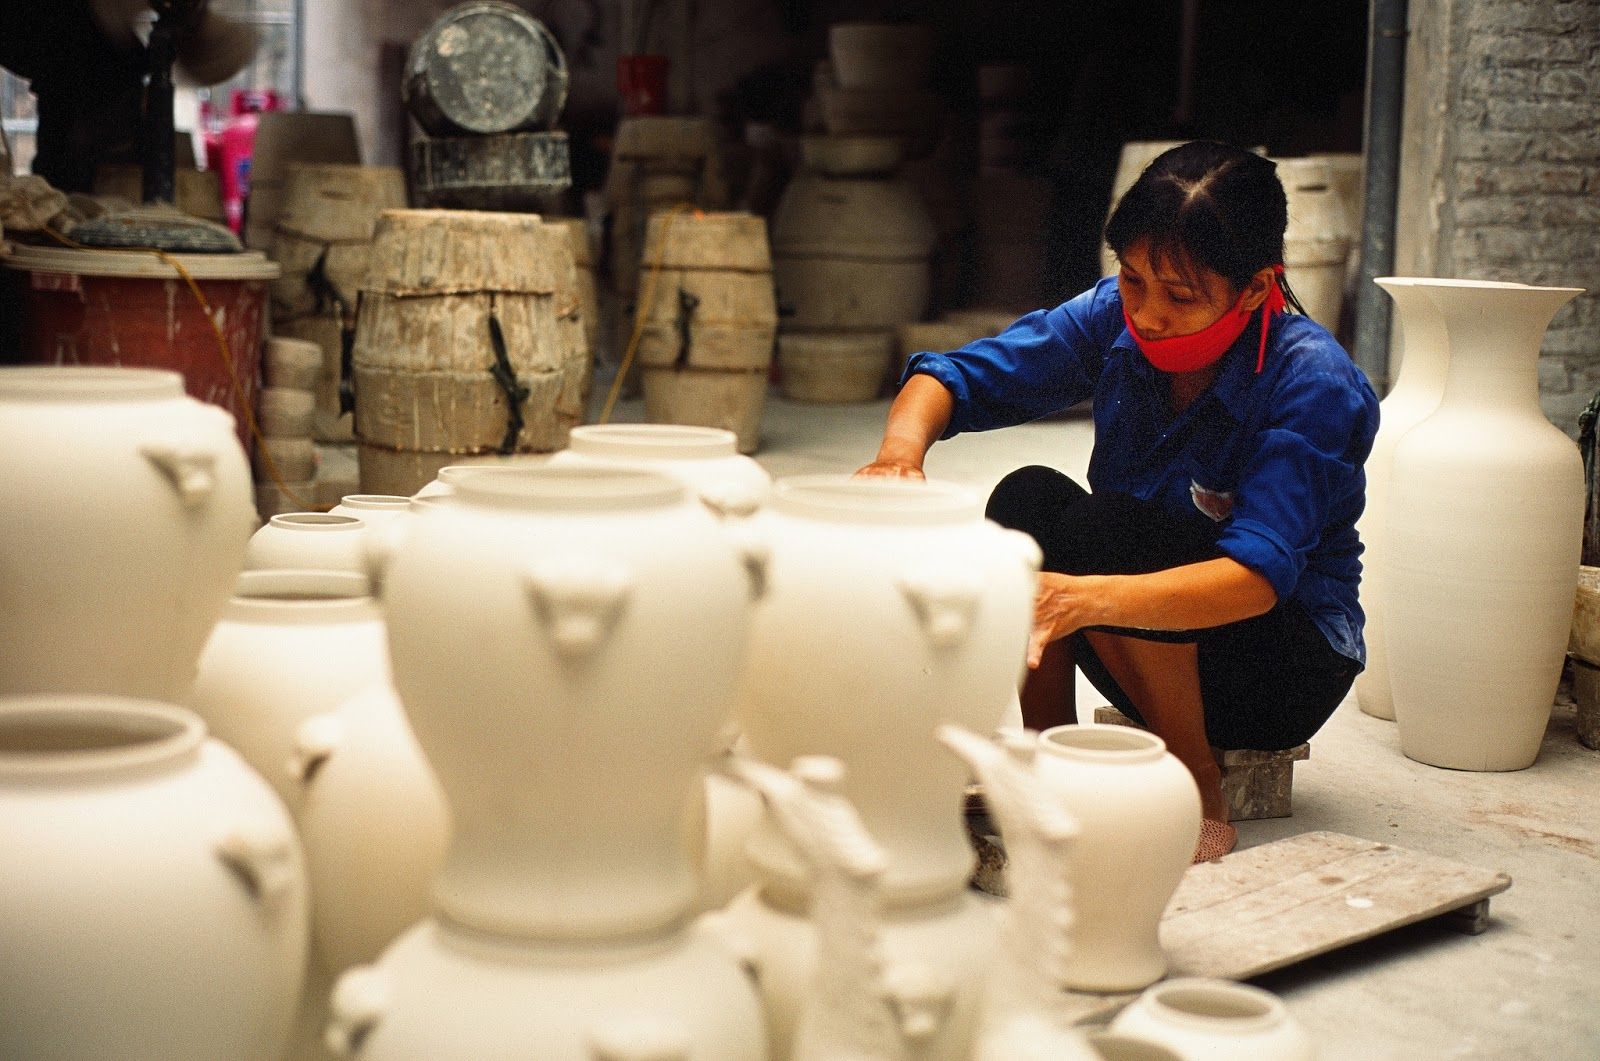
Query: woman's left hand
{"type": "Point", "coordinates": [1062, 605]}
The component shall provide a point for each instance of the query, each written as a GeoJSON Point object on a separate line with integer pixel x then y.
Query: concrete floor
{"type": "Point", "coordinates": [1527, 988]}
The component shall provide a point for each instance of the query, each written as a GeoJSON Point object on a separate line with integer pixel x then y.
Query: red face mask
{"type": "Point", "coordinates": [1197, 350]}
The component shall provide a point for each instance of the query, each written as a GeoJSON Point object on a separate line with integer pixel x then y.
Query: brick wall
{"type": "Point", "coordinates": [1502, 164]}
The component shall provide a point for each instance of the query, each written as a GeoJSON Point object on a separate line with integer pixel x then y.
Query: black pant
{"type": "Point", "coordinates": [1268, 682]}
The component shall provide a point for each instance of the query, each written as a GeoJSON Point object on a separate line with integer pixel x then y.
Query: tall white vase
{"type": "Point", "coordinates": [1414, 396]}
{"type": "Point", "coordinates": [891, 608]}
{"type": "Point", "coordinates": [291, 645]}
{"type": "Point", "coordinates": [153, 891]}
{"type": "Point", "coordinates": [125, 507]}
{"type": "Point", "coordinates": [566, 643]}
{"type": "Point", "coordinates": [1138, 815]}
{"type": "Point", "coordinates": [1484, 532]}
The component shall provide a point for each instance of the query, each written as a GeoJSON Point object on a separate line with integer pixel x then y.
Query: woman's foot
{"type": "Point", "coordinates": [1217, 838]}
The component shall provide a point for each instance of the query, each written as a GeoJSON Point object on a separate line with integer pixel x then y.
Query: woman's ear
{"type": "Point", "coordinates": [1256, 291]}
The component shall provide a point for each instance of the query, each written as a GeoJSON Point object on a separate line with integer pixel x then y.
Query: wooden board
{"type": "Point", "coordinates": [1268, 907]}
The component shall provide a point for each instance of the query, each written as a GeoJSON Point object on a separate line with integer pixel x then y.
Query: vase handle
{"type": "Point", "coordinates": [728, 502]}
{"type": "Point", "coordinates": [921, 998]}
{"type": "Point", "coordinates": [1027, 548]}
{"type": "Point", "coordinates": [359, 1001]}
{"type": "Point", "coordinates": [263, 860]}
{"type": "Point", "coordinates": [315, 741]}
{"type": "Point", "coordinates": [579, 599]}
{"type": "Point", "coordinates": [192, 472]}
{"type": "Point", "coordinates": [946, 602]}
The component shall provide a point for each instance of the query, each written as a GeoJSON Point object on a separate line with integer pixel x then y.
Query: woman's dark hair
{"type": "Point", "coordinates": [1209, 204]}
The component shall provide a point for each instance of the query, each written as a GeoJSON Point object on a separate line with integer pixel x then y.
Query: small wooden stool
{"type": "Point", "coordinates": [1257, 784]}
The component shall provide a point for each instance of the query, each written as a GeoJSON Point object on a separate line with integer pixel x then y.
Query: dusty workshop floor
{"type": "Point", "coordinates": [1527, 988]}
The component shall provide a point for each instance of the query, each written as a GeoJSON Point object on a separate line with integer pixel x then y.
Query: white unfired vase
{"type": "Point", "coordinates": [124, 511]}
{"type": "Point", "coordinates": [373, 509]}
{"type": "Point", "coordinates": [307, 541]}
{"type": "Point", "coordinates": [373, 822]}
{"type": "Point", "coordinates": [1216, 1020]}
{"type": "Point", "coordinates": [1138, 814]}
{"type": "Point", "coordinates": [291, 645]}
{"type": "Point", "coordinates": [706, 459]}
{"type": "Point", "coordinates": [154, 893]}
{"type": "Point", "coordinates": [1484, 534]}
{"type": "Point", "coordinates": [603, 612]}
{"type": "Point", "coordinates": [1414, 396]}
{"type": "Point", "coordinates": [443, 993]}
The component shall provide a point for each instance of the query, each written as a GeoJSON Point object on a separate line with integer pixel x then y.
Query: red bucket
{"type": "Point", "coordinates": [93, 307]}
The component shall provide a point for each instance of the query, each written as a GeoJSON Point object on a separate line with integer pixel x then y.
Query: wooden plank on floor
{"type": "Point", "coordinates": [1268, 907]}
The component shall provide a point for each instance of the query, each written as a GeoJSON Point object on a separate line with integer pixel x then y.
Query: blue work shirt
{"type": "Point", "coordinates": [1275, 457]}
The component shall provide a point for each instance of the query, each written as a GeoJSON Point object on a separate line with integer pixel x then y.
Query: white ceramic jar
{"type": "Point", "coordinates": [891, 608]}
{"type": "Point", "coordinates": [373, 823]}
{"type": "Point", "coordinates": [706, 459]}
{"type": "Point", "coordinates": [154, 893]}
{"type": "Point", "coordinates": [603, 614]}
{"type": "Point", "coordinates": [125, 507]}
{"type": "Point", "coordinates": [448, 994]}
{"type": "Point", "coordinates": [1215, 1020]}
{"type": "Point", "coordinates": [1138, 814]}
{"type": "Point", "coordinates": [1484, 534]}
{"type": "Point", "coordinates": [309, 541]}
{"type": "Point", "coordinates": [291, 645]}
{"type": "Point", "coordinates": [374, 510]}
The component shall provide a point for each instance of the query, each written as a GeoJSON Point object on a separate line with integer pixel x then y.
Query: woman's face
{"type": "Point", "coordinates": [1166, 301]}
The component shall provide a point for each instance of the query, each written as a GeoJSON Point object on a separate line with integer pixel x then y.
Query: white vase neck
{"type": "Point", "coordinates": [1210, 1005]}
{"type": "Point", "coordinates": [572, 490]}
{"type": "Point", "coordinates": [68, 739]}
{"type": "Point", "coordinates": [884, 502]}
{"type": "Point", "coordinates": [301, 596]}
{"type": "Point", "coordinates": [1494, 334]}
{"type": "Point", "coordinates": [507, 949]}
{"type": "Point", "coordinates": [376, 502]}
{"type": "Point", "coordinates": [317, 523]}
{"type": "Point", "coordinates": [49, 383]}
{"type": "Point", "coordinates": [654, 441]}
{"type": "Point", "coordinates": [1097, 743]}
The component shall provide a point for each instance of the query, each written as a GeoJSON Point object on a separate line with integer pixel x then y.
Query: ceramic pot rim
{"type": "Point", "coordinates": [89, 383]}
{"type": "Point", "coordinates": [848, 499]}
{"type": "Point", "coordinates": [377, 502]}
{"type": "Point", "coordinates": [1426, 281]}
{"type": "Point", "coordinates": [1116, 1045]}
{"type": "Point", "coordinates": [571, 488]}
{"type": "Point", "coordinates": [1183, 1001]}
{"type": "Point", "coordinates": [317, 522]}
{"type": "Point", "coordinates": [654, 441]}
{"type": "Point", "coordinates": [156, 735]}
{"type": "Point", "coordinates": [1101, 743]}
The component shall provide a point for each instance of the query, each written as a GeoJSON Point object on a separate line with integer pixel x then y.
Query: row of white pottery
{"type": "Point", "coordinates": [1214, 1020]}
{"type": "Point", "coordinates": [309, 541]}
{"type": "Point", "coordinates": [857, 565]}
{"type": "Point", "coordinates": [159, 913]}
{"type": "Point", "coordinates": [125, 513]}
{"type": "Point", "coordinates": [604, 613]}
{"type": "Point", "coordinates": [1413, 398]}
{"type": "Point", "coordinates": [1481, 540]}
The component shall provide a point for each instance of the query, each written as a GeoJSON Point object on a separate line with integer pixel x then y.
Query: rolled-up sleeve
{"type": "Point", "coordinates": [1306, 472]}
{"type": "Point", "coordinates": [1045, 362]}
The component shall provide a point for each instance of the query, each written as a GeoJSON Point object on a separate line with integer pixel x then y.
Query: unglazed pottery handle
{"type": "Point", "coordinates": [921, 998]}
{"type": "Point", "coordinates": [639, 1037]}
{"type": "Point", "coordinates": [755, 554]}
{"type": "Point", "coordinates": [263, 859]}
{"type": "Point", "coordinates": [946, 603]}
{"type": "Point", "coordinates": [579, 599]}
{"type": "Point", "coordinates": [192, 472]}
{"type": "Point", "coordinates": [1027, 548]}
{"type": "Point", "coordinates": [314, 744]}
{"type": "Point", "coordinates": [728, 502]}
{"type": "Point", "coordinates": [359, 1001]}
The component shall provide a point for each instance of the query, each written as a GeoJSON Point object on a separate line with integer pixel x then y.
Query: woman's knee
{"type": "Point", "coordinates": [1030, 497]}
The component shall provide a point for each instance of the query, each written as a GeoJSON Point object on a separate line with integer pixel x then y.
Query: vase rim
{"type": "Point", "coordinates": [58, 736]}
{"type": "Point", "coordinates": [569, 488]}
{"type": "Point", "coordinates": [377, 502]}
{"type": "Point", "coordinates": [1202, 1003]}
{"type": "Point", "coordinates": [89, 383]}
{"type": "Point", "coordinates": [658, 441]}
{"type": "Point", "coordinates": [319, 522]}
{"type": "Point", "coordinates": [1445, 281]}
{"type": "Point", "coordinates": [851, 499]}
{"type": "Point", "coordinates": [1102, 743]}
{"type": "Point", "coordinates": [451, 474]}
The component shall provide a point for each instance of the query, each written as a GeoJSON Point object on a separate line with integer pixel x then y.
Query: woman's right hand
{"type": "Point", "coordinates": [891, 469]}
